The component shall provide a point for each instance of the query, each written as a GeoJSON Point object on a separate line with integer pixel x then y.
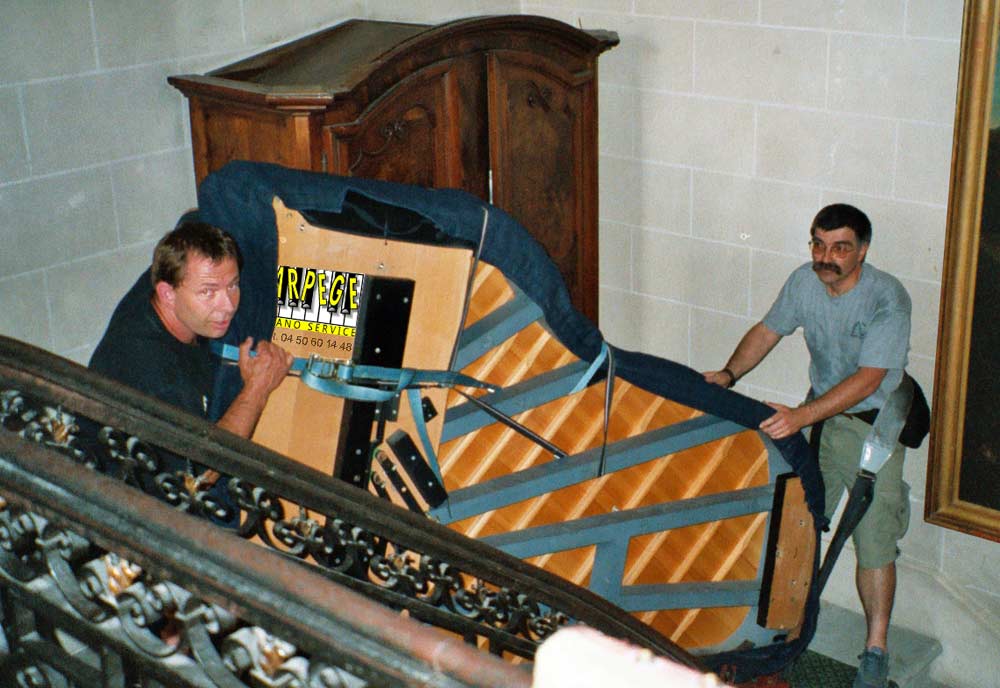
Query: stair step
{"type": "Point", "coordinates": [840, 635]}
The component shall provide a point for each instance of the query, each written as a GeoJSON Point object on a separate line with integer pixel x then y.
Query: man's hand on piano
{"type": "Point", "coordinates": [264, 371]}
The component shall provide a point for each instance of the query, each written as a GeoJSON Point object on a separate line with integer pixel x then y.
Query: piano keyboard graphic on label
{"type": "Point", "coordinates": [319, 296]}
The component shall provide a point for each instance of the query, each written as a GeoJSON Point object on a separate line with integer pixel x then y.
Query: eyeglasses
{"type": "Point", "coordinates": [837, 250]}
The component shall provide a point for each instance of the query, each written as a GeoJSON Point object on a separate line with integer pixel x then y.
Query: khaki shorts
{"type": "Point", "coordinates": [888, 516]}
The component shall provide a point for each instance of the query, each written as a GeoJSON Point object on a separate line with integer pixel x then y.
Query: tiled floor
{"type": "Point", "coordinates": [841, 632]}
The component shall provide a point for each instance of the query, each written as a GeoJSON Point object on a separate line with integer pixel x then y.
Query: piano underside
{"type": "Point", "coordinates": [691, 522]}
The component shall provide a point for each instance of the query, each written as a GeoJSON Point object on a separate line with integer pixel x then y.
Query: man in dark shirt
{"type": "Point", "coordinates": [157, 338]}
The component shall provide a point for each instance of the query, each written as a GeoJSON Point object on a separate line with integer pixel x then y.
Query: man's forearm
{"type": "Point", "coordinates": [262, 372]}
{"type": "Point", "coordinates": [240, 419]}
{"type": "Point", "coordinates": [242, 415]}
{"type": "Point", "coordinates": [752, 349]}
{"type": "Point", "coordinates": [849, 392]}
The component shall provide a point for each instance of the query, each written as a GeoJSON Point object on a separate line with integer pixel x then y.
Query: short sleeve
{"type": "Point", "coordinates": [887, 339]}
{"type": "Point", "coordinates": [783, 317]}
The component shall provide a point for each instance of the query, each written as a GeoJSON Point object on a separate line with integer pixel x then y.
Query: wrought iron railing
{"type": "Point", "coordinates": [104, 586]}
{"type": "Point", "coordinates": [400, 559]}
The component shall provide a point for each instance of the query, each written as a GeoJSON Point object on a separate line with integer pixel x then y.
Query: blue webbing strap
{"type": "Point", "coordinates": [588, 375]}
{"type": "Point", "coordinates": [334, 387]}
{"type": "Point", "coordinates": [358, 382]}
{"type": "Point", "coordinates": [337, 379]}
{"type": "Point", "coordinates": [604, 355]}
{"type": "Point", "coordinates": [231, 354]}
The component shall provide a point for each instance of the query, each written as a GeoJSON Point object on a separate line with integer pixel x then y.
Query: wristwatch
{"type": "Point", "coordinates": [732, 378]}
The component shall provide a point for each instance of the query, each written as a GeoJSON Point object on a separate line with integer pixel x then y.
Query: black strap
{"type": "Point", "coordinates": [858, 501]}
{"type": "Point", "coordinates": [918, 419]}
{"type": "Point", "coordinates": [868, 416]}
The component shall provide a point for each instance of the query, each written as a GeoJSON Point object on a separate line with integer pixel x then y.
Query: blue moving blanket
{"type": "Point", "coordinates": [238, 198]}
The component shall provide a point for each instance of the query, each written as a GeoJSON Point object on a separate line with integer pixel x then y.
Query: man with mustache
{"type": "Point", "coordinates": [157, 338]}
{"type": "Point", "coordinates": [856, 321]}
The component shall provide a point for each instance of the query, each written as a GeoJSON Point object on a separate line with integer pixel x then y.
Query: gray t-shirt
{"type": "Point", "coordinates": [869, 326]}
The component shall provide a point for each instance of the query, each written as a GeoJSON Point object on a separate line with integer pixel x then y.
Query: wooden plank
{"type": "Point", "coordinates": [789, 562]}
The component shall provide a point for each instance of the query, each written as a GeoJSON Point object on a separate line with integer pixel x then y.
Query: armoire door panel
{"type": "Point", "coordinates": [409, 135]}
{"type": "Point", "coordinates": [538, 154]}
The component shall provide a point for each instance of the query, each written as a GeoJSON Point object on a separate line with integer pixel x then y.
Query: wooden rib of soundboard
{"type": "Point", "coordinates": [722, 550]}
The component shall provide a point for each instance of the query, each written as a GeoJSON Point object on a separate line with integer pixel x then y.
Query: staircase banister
{"type": "Point", "coordinates": [256, 585]}
{"type": "Point", "coordinates": [60, 382]}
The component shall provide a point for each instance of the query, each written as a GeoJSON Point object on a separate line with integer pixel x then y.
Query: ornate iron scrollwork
{"type": "Point", "coordinates": [154, 619]}
{"type": "Point", "coordinates": [325, 540]}
{"type": "Point", "coordinates": [48, 425]}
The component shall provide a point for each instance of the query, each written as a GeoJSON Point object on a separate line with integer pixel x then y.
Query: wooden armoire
{"type": "Point", "coordinates": [503, 107]}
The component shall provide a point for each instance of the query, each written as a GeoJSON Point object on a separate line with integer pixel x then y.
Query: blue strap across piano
{"type": "Point", "coordinates": [361, 382]}
{"type": "Point", "coordinates": [370, 383]}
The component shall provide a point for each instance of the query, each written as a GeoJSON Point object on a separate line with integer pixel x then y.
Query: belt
{"type": "Point", "coordinates": [866, 416]}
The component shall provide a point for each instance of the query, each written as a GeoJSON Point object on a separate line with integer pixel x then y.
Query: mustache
{"type": "Point", "coordinates": [832, 267]}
